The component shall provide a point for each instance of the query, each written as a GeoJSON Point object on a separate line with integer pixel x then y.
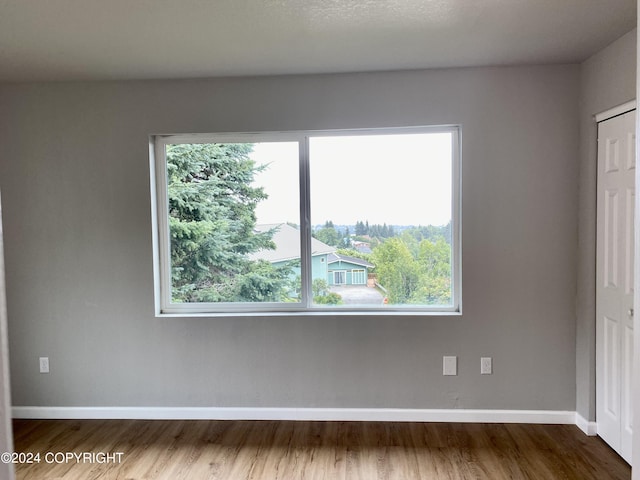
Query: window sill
{"type": "Point", "coordinates": [316, 313]}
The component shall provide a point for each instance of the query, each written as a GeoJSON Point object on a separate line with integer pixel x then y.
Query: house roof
{"type": "Point", "coordinates": [287, 240]}
{"type": "Point", "coordinates": [365, 248]}
{"type": "Point", "coordinates": [336, 257]}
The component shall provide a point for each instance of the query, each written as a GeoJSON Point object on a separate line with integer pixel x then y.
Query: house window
{"type": "Point", "coordinates": [358, 276]}
{"type": "Point", "coordinates": [274, 223]}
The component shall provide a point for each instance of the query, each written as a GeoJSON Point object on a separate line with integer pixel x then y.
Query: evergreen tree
{"type": "Point", "coordinates": [212, 218]}
{"type": "Point", "coordinates": [391, 231]}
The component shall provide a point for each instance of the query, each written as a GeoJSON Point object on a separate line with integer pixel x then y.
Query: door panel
{"type": "Point", "coordinates": [611, 376]}
{"type": "Point", "coordinates": [610, 239]}
{"type": "Point", "coordinates": [614, 280]}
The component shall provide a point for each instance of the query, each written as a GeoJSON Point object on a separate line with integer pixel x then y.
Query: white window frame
{"type": "Point", "coordinates": [161, 236]}
{"type": "Point", "coordinates": [361, 275]}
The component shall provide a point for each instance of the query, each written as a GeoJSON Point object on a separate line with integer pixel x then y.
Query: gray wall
{"type": "Point", "coordinates": [608, 79]}
{"type": "Point", "coordinates": [75, 181]}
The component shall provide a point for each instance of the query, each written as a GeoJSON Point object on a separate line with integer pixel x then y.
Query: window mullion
{"type": "Point", "coordinates": [163, 279]}
{"type": "Point", "coordinates": [305, 225]}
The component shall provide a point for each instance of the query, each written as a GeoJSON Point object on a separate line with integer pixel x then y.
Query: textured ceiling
{"type": "Point", "coordinates": [144, 39]}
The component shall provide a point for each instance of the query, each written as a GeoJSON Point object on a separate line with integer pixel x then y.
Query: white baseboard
{"type": "Point", "coordinates": [589, 428]}
{"type": "Point", "coordinates": [309, 414]}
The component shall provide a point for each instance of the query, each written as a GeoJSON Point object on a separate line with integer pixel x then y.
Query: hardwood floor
{"type": "Point", "coordinates": [269, 450]}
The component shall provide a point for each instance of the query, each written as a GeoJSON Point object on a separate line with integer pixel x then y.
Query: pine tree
{"type": "Point", "coordinates": [211, 218]}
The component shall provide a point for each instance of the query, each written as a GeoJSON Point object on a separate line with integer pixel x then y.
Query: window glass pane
{"type": "Point", "coordinates": [234, 222]}
{"type": "Point", "coordinates": [381, 211]}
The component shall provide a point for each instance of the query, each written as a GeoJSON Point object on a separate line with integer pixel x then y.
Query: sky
{"type": "Point", "coordinates": [394, 179]}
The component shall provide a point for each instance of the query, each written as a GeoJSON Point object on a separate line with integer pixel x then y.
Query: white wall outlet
{"type": "Point", "coordinates": [486, 367]}
{"type": "Point", "coordinates": [44, 364]}
{"type": "Point", "coordinates": [449, 365]}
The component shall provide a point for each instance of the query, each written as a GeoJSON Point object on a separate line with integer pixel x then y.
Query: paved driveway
{"type": "Point", "coordinates": [358, 294]}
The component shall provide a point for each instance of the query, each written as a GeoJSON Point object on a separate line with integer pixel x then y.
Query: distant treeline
{"type": "Point", "coordinates": [342, 235]}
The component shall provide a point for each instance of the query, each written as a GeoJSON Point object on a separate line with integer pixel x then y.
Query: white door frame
{"type": "Point", "coordinates": [614, 303]}
{"type": "Point", "coordinates": [635, 472]}
{"type": "Point", "coordinates": [615, 111]}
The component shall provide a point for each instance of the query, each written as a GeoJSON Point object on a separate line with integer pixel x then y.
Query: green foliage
{"type": "Point", "coordinates": [211, 218]}
{"type": "Point", "coordinates": [431, 232]}
{"type": "Point", "coordinates": [322, 295]}
{"type": "Point", "coordinates": [329, 236]}
{"type": "Point", "coordinates": [414, 273]}
{"type": "Point", "coordinates": [330, 298]}
{"type": "Point", "coordinates": [397, 270]}
{"type": "Point", "coordinates": [319, 287]}
{"type": "Point", "coordinates": [434, 261]}
{"type": "Point", "coordinates": [412, 242]}
{"type": "Point", "coordinates": [261, 282]}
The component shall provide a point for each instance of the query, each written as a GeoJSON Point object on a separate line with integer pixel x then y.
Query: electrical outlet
{"type": "Point", "coordinates": [449, 365]}
{"type": "Point", "coordinates": [44, 364]}
{"type": "Point", "coordinates": [486, 367]}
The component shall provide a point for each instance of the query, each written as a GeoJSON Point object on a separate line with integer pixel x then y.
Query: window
{"type": "Point", "coordinates": [339, 277]}
{"type": "Point", "coordinates": [358, 276]}
{"type": "Point", "coordinates": [332, 221]}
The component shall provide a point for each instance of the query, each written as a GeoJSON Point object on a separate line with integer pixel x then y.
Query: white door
{"type": "Point", "coordinates": [614, 277]}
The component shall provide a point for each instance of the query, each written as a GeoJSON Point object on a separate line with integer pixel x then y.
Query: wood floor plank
{"type": "Point", "coordinates": [280, 450]}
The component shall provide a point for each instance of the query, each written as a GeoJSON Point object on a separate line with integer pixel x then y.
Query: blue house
{"type": "Point", "coordinates": [326, 264]}
{"type": "Point", "coordinates": [345, 270]}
